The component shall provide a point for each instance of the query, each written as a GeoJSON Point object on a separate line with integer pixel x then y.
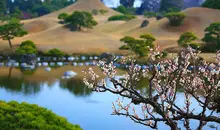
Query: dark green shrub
{"type": "Point", "coordinates": [164, 54]}
{"type": "Point", "coordinates": [63, 16]}
{"type": "Point", "coordinates": [102, 11]}
{"type": "Point", "coordinates": [150, 14]}
{"type": "Point", "coordinates": [23, 116]}
{"type": "Point", "coordinates": [28, 43]}
{"type": "Point", "coordinates": [144, 23]}
{"type": "Point", "coordinates": [121, 17]}
{"type": "Point", "coordinates": [26, 50]}
{"type": "Point", "coordinates": [212, 35]}
{"type": "Point", "coordinates": [140, 46]}
{"type": "Point", "coordinates": [176, 18]}
{"type": "Point", "coordinates": [213, 4]}
{"type": "Point", "coordinates": [124, 47]}
{"type": "Point", "coordinates": [55, 52]}
{"type": "Point", "coordinates": [95, 12]}
{"type": "Point", "coordinates": [186, 38]}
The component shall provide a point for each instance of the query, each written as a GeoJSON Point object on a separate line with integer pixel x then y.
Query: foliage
{"type": "Point", "coordinates": [124, 47]}
{"type": "Point", "coordinates": [168, 4]}
{"type": "Point", "coordinates": [144, 23]}
{"type": "Point", "coordinates": [102, 11]}
{"type": "Point", "coordinates": [95, 12]}
{"type": "Point", "coordinates": [213, 4]}
{"type": "Point", "coordinates": [127, 11]}
{"type": "Point", "coordinates": [2, 7]}
{"type": "Point", "coordinates": [33, 8]}
{"type": "Point", "coordinates": [164, 54]}
{"type": "Point", "coordinates": [127, 3]}
{"type": "Point", "coordinates": [140, 46]}
{"type": "Point", "coordinates": [199, 82]}
{"type": "Point", "coordinates": [212, 35]}
{"type": "Point", "coordinates": [149, 14]}
{"type": "Point", "coordinates": [63, 16]}
{"type": "Point", "coordinates": [27, 49]}
{"type": "Point", "coordinates": [55, 52]}
{"type": "Point", "coordinates": [14, 116]}
{"type": "Point", "coordinates": [195, 46]}
{"type": "Point", "coordinates": [81, 19]}
{"type": "Point", "coordinates": [176, 18]}
{"type": "Point", "coordinates": [28, 43]}
{"type": "Point", "coordinates": [121, 17]}
{"type": "Point", "coordinates": [12, 29]}
{"type": "Point", "coordinates": [186, 38]}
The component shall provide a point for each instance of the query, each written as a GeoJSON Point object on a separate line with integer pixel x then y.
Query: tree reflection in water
{"type": "Point", "coordinates": [75, 86]}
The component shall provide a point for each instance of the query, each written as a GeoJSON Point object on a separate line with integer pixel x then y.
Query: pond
{"type": "Point", "coordinates": [67, 97]}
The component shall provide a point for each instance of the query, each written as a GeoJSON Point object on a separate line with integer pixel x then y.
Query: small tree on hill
{"type": "Point", "coordinates": [212, 34]}
{"type": "Point", "coordinates": [63, 16]}
{"type": "Point", "coordinates": [11, 30]}
{"type": "Point", "coordinates": [55, 52]}
{"type": "Point", "coordinates": [140, 46]}
{"type": "Point", "coordinates": [186, 38]}
{"type": "Point", "coordinates": [176, 18]}
{"type": "Point", "coordinates": [28, 43]}
{"type": "Point", "coordinates": [81, 19]}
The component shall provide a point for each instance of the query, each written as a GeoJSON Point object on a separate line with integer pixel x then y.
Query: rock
{"type": "Point", "coordinates": [70, 74]}
{"type": "Point", "coordinates": [144, 23]}
{"type": "Point", "coordinates": [39, 64]}
{"type": "Point", "coordinates": [59, 63]}
{"type": "Point", "coordinates": [87, 64]}
{"type": "Point", "coordinates": [71, 58]}
{"type": "Point", "coordinates": [38, 59]}
{"type": "Point", "coordinates": [16, 64]}
{"type": "Point", "coordinates": [48, 69]}
{"type": "Point", "coordinates": [74, 64]}
{"type": "Point", "coordinates": [52, 64]}
{"type": "Point", "coordinates": [159, 17]}
{"type": "Point", "coordinates": [80, 64]}
{"type": "Point", "coordinates": [83, 58]}
{"type": "Point", "coordinates": [91, 58]}
{"type": "Point", "coordinates": [23, 64]}
{"type": "Point", "coordinates": [96, 58]}
{"type": "Point", "coordinates": [1, 64]}
{"type": "Point", "coordinates": [44, 64]}
{"type": "Point", "coordinates": [54, 58]}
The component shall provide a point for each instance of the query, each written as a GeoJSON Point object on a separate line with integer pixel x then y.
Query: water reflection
{"type": "Point", "coordinates": [76, 87]}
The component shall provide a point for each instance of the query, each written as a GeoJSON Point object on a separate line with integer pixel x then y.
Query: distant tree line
{"type": "Point", "coordinates": [24, 9]}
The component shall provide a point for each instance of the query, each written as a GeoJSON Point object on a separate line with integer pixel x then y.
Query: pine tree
{"type": "Point", "coordinates": [167, 4]}
{"type": "Point", "coordinates": [2, 7]}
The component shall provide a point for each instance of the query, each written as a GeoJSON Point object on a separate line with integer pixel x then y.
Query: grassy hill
{"type": "Point", "coordinates": [47, 33]}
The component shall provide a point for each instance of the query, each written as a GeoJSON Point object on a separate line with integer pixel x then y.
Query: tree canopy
{"type": "Point", "coordinates": [33, 8]}
{"type": "Point", "coordinates": [12, 29]}
{"type": "Point", "coordinates": [212, 34]}
{"type": "Point", "coordinates": [63, 16]}
{"type": "Point", "coordinates": [15, 116]}
{"type": "Point", "coordinates": [81, 19]}
{"type": "Point", "coordinates": [186, 38]}
{"type": "Point", "coordinates": [140, 46]}
{"type": "Point", "coordinates": [55, 52]}
{"type": "Point", "coordinates": [213, 4]}
{"type": "Point", "coordinates": [176, 18]}
{"type": "Point", "coordinates": [165, 5]}
{"type": "Point", "coordinates": [127, 3]}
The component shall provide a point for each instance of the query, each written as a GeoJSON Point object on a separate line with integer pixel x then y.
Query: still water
{"type": "Point", "coordinates": [67, 98]}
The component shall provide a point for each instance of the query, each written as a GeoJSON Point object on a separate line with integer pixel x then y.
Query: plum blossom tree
{"type": "Point", "coordinates": [199, 80]}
